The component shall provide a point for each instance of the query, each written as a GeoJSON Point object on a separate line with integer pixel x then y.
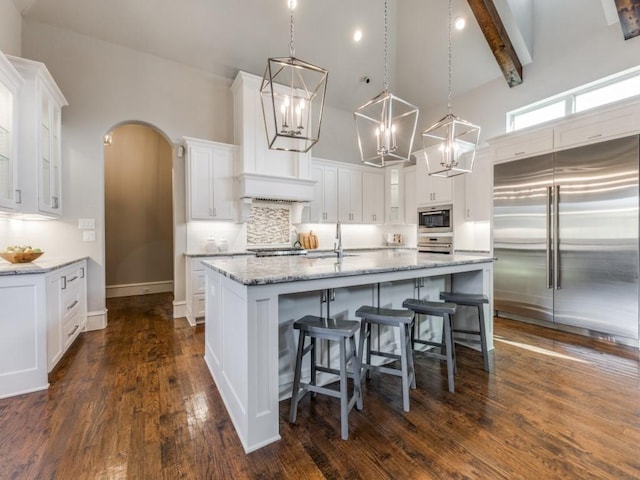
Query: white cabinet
{"type": "Point", "coordinates": [410, 201]}
{"type": "Point", "coordinates": [523, 145]}
{"type": "Point", "coordinates": [41, 315]}
{"type": "Point", "coordinates": [210, 178]}
{"type": "Point", "coordinates": [349, 195]}
{"type": "Point", "coordinates": [10, 83]}
{"type": "Point", "coordinates": [324, 206]}
{"type": "Point", "coordinates": [373, 196]}
{"type": "Point", "coordinates": [479, 188]}
{"type": "Point", "coordinates": [431, 190]}
{"type": "Point", "coordinates": [393, 194]}
{"type": "Point", "coordinates": [195, 283]}
{"type": "Point", "coordinates": [40, 103]}
{"type": "Point", "coordinates": [67, 309]}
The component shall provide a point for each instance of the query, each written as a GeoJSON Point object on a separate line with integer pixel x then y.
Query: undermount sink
{"type": "Point", "coordinates": [312, 256]}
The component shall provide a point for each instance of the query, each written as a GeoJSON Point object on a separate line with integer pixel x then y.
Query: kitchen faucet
{"type": "Point", "coordinates": [338, 243]}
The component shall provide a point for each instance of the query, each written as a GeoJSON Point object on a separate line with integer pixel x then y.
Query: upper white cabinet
{"type": "Point", "coordinates": [40, 103]}
{"type": "Point", "coordinates": [210, 177]}
{"type": "Point", "coordinates": [349, 195]}
{"type": "Point", "coordinates": [523, 145]}
{"type": "Point", "coordinates": [431, 190]}
{"type": "Point", "coordinates": [479, 187]}
{"type": "Point", "coordinates": [10, 83]}
{"type": "Point", "coordinates": [324, 206]}
{"type": "Point", "coordinates": [373, 196]}
{"type": "Point", "coordinates": [410, 201]}
{"type": "Point", "coordinates": [393, 194]}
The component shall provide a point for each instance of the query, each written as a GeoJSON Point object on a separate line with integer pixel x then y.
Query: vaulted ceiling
{"type": "Point", "coordinates": [222, 36]}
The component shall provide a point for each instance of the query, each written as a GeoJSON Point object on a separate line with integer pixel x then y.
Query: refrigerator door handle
{"type": "Point", "coordinates": [548, 239]}
{"type": "Point", "coordinates": [556, 238]}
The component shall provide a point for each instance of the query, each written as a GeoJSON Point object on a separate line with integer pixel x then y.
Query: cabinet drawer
{"type": "Point", "coordinates": [196, 264]}
{"type": "Point", "coordinates": [198, 307]}
{"type": "Point", "coordinates": [198, 280]}
{"type": "Point", "coordinates": [71, 304]}
{"type": "Point", "coordinates": [71, 329]}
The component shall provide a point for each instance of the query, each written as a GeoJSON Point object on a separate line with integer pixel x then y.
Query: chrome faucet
{"type": "Point", "coordinates": [338, 243]}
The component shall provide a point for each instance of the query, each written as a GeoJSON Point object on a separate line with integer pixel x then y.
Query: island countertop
{"type": "Point", "coordinates": [249, 270]}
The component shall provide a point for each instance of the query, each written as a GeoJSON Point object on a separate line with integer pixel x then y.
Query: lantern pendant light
{"type": "Point", "coordinates": [450, 144]}
{"type": "Point", "coordinates": [292, 93]}
{"type": "Point", "coordinates": [386, 125]}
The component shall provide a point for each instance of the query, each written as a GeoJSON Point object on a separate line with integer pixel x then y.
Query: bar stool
{"type": "Point", "coordinates": [447, 352]}
{"type": "Point", "coordinates": [401, 319]}
{"type": "Point", "coordinates": [333, 330]}
{"type": "Point", "coordinates": [472, 300]}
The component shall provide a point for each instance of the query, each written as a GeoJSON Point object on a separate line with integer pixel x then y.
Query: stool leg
{"type": "Point", "coordinates": [296, 379]}
{"type": "Point", "coordinates": [312, 362]}
{"type": "Point", "coordinates": [448, 338]}
{"type": "Point", "coordinates": [355, 366]}
{"type": "Point", "coordinates": [412, 369]}
{"type": "Point", "coordinates": [404, 367]}
{"type": "Point", "coordinates": [344, 394]}
{"type": "Point", "coordinates": [483, 338]}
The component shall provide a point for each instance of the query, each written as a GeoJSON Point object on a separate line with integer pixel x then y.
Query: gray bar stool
{"type": "Point", "coordinates": [472, 300]}
{"type": "Point", "coordinates": [401, 319]}
{"type": "Point", "coordinates": [447, 352]}
{"type": "Point", "coordinates": [332, 330]}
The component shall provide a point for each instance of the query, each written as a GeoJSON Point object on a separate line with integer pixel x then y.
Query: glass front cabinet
{"type": "Point", "coordinates": [10, 83]}
{"type": "Point", "coordinates": [40, 156]}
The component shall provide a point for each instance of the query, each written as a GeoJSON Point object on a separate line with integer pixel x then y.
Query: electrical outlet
{"type": "Point", "coordinates": [87, 224]}
{"type": "Point", "coordinates": [89, 236]}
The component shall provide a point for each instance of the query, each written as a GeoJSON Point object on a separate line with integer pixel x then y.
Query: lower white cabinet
{"type": "Point", "coordinates": [41, 314]}
{"type": "Point", "coordinates": [195, 288]}
{"type": "Point", "coordinates": [66, 308]}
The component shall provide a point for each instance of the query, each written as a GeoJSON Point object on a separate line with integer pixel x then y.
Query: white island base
{"type": "Point", "coordinates": [244, 319]}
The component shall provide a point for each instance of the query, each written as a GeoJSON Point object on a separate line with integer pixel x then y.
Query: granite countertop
{"type": "Point", "coordinates": [310, 251]}
{"type": "Point", "coordinates": [42, 265]}
{"type": "Point", "coordinates": [250, 270]}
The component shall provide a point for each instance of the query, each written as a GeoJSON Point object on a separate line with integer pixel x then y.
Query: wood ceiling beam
{"type": "Point", "coordinates": [498, 39]}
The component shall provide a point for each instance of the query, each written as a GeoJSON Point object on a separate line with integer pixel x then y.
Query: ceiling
{"type": "Point", "coordinates": [222, 36]}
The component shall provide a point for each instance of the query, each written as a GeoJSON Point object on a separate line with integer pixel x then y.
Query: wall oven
{"type": "Point", "coordinates": [437, 219]}
{"type": "Point", "coordinates": [443, 245]}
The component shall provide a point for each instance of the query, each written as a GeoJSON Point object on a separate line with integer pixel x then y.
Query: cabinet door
{"type": "Point", "coordinates": [394, 195]}
{"type": "Point", "coordinates": [330, 194]}
{"type": "Point", "coordinates": [200, 189]}
{"type": "Point", "coordinates": [223, 162]}
{"type": "Point", "coordinates": [479, 188]}
{"type": "Point", "coordinates": [431, 190]}
{"type": "Point", "coordinates": [8, 142]}
{"type": "Point", "coordinates": [349, 195]}
{"type": "Point", "coordinates": [373, 197]}
{"type": "Point", "coordinates": [49, 148]}
{"type": "Point", "coordinates": [410, 202]}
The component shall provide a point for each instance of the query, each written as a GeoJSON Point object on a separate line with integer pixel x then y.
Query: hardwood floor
{"type": "Point", "coordinates": [136, 401]}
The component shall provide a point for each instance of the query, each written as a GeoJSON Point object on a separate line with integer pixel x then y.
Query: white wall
{"type": "Point", "coordinates": [10, 28]}
{"type": "Point", "coordinates": [106, 85]}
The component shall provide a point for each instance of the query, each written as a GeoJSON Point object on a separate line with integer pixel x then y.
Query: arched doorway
{"type": "Point", "coordinates": [138, 211]}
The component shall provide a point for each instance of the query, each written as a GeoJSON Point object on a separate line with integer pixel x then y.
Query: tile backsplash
{"type": "Point", "coordinates": [269, 224]}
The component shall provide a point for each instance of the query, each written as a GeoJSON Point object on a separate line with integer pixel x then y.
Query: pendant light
{"type": "Point", "coordinates": [292, 94]}
{"type": "Point", "coordinates": [386, 125]}
{"type": "Point", "coordinates": [450, 144]}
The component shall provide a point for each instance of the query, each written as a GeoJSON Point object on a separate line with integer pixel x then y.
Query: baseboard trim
{"type": "Point", "coordinates": [131, 289]}
{"type": "Point", "coordinates": [179, 309]}
{"type": "Point", "coordinates": [96, 320]}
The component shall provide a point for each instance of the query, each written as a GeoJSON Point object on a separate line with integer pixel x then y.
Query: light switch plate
{"type": "Point", "coordinates": [89, 236]}
{"type": "Point", "coordinates": [87, 224]}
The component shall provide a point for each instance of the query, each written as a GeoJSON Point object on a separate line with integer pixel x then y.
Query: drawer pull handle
{"type": "Point", "coordinates": [520, 153]}
{"type": "Point", "coordinates": [81, 272]}
{"type": "Point", "coordinates": [75, 302]}
{"type": "Point", "coordinates": [75, 329]}
{"type": "Point", "coordinates": [64, 282]}
{"type": "Point", "coordinates": [73, 279]}
{"type": "Point", "coordinates": [594, 136]}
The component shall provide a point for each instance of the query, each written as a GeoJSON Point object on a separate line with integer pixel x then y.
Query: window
{"type": "Point", "coordinates": [602, 92]}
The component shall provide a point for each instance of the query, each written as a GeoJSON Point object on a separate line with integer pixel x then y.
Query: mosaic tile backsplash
{"type": "Point", "coordinates": [269, 224]}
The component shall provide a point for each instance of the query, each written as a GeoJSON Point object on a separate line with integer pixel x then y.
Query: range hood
{"type": "Point", "coordinates": [267, 187]}
{"type": "Point", "coordinates": [262, 173]}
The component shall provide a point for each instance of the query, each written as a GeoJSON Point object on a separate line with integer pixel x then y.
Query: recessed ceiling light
{"type": "Point", "coordinates": [460, 23]}
{"type": "Point", "coordinates": [357, 35]}
{"type": "Point", "coordinates": [292, 4]}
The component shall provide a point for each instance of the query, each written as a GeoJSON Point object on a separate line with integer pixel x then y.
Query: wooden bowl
{"type": "Point", "coordinates": [20, 257]}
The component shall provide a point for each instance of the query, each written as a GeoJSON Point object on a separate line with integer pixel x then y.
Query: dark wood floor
{"type": "Point", "coordinates": [135, 401]}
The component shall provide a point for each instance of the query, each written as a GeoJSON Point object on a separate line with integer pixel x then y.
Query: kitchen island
{"type": "Point", "coordinates": [251, 303]}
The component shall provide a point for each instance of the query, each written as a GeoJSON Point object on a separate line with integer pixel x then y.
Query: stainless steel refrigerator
{"type": "Point", "coordinates": [566, 239]}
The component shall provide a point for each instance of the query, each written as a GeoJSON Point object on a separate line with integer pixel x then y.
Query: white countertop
{"type": "Point", "coordinates": [250, 270]}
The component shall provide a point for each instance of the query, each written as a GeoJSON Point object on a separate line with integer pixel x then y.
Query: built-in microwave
{"type": "Point", "coordinates": [437, 219]}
